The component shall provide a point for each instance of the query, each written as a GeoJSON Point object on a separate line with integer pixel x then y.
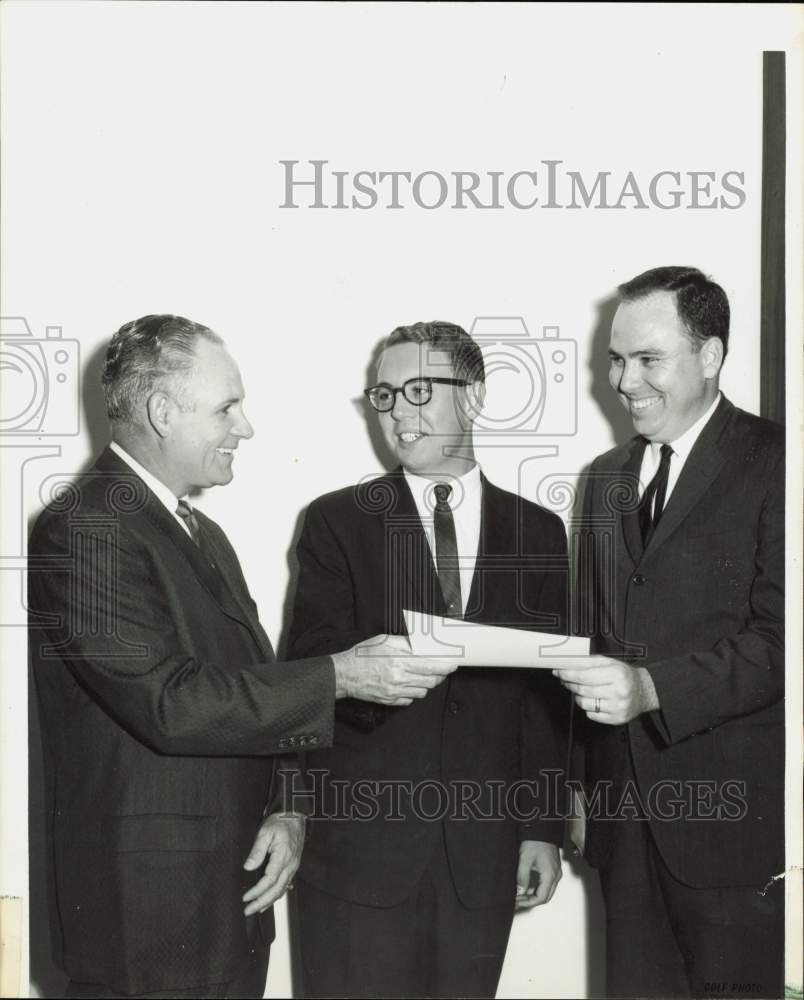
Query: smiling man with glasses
{"type": "Point", "coordinates": [412, 893]}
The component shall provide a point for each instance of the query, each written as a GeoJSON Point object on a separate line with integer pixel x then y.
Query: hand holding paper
{"type": "Point", "coordinates": [490, 645]}
{"type": "Point", "coordinates": [609, 690]}
{"type": "Point", "coordinates": [384, 670]}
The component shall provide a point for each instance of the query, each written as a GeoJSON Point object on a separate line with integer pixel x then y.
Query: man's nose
{"type": "Point", "coordinates": [402, 408]}
{"type": "Point", "coordinates": [630, 376]}
{"type": "Point", "coordinates": [243, 428]}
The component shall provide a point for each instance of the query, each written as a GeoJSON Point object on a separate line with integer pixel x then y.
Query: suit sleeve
{"type": "Point", "coordinates": [114, 619]}
{"type": "Point", "coordinates": [546, 706]}
{"type": "Point", "coordinates": [743, 672]}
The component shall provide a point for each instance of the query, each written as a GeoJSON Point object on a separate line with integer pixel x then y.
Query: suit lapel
{"type": "Point", "coordinates": [409, 561]}
{"type": "Point", "coordinates": [163, 521]}
{"type": "Point", "coordinates": [630, 519]}
{"type": "Point", "coordinates": [495, 527]}
{"type": "Point", "coordinates": [232, 595]}
{"type": "Point", "coordinates": [210, 576]}
{"type": "Point", "coordinates": [703, 464]}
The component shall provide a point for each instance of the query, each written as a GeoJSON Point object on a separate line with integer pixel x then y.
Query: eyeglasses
{"type": "Point", "coordinates": [416, 391]}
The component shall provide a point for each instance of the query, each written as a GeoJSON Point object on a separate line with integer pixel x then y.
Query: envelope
{"type": "Point", "coordinates": [491, 645]}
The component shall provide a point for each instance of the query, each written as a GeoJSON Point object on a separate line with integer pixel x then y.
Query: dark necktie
{"type": "Point", "coordinates": [650, 509]}
{"type": "Point", "coordinates": [185, 512]}
{"type": "Point", "coordinates": [447, 551]}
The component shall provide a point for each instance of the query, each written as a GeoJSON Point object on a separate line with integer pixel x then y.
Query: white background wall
{"type": "Point", "coordinates": [140, 174]}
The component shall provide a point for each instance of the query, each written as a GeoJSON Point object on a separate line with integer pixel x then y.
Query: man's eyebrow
{"type": "Point", "coordinates": [228, 402]}
{"type": "Point", "coordinates": [637, 352]}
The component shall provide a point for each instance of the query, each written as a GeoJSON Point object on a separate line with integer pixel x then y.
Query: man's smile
{"type": "Point", "coordinates": [644, 403]}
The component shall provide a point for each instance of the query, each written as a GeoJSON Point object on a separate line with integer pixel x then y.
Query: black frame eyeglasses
{"type": "Point", "coordinates": [417, 391]}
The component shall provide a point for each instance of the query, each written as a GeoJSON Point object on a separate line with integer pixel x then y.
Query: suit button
{"type": "Point", "coordinates": [639, 580]}
{"type": "Point", "coordinates": [453, 707]}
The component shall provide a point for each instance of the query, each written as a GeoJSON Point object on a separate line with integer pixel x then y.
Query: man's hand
{"type": "Point", "coordinates": [608, 690]}
{"type": "Point", "coordinates": [538, 873]}
{"type": "Point", "coordinates": [281, 835]}
{"type": "Point", "coordinates": [384, 670]}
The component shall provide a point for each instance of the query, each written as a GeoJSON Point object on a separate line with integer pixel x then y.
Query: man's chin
{"type": "Point", "coordinates": [648, 428]}
{"type": "Point", "coordinates": [409, 457]}
{"type": "Point", "coordinates": [220, 479]}
{"type": "Point", "coordinates": [415, 464]}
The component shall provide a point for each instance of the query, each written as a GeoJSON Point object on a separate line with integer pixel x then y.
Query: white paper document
{"type": "Point", "coordinates": [491, 645]}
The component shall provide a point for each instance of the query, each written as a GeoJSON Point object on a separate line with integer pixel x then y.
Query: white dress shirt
{"type": "Point", "coordinates": [156, 486]}
{"type": "Point", "coordinates": [682, 447]}
{"type": "Point", "coordinates": [465, 502]}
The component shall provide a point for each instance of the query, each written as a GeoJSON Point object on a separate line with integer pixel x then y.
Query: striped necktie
{"type": "Point", "coordinates": [446, 545]}
{"type": "Point", "coordinates": [649, 516]}
{"type": "Point", "coordinates": [185, 512]}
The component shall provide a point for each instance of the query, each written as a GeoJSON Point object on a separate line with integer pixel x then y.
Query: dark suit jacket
{"type": "Point", "coordinates": [363, 558]}
{"type": "Point", "coordinates": [703, 609]}
{"type": "Point", "coordinates": [161, 704]}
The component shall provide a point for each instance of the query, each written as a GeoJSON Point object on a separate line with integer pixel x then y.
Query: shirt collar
{"type": "Point", "coordinates": [683, 445]}
{"type": "Point", "coordinates": [156, 486]}
{"type": "Point", "coordinates": [466, 488]}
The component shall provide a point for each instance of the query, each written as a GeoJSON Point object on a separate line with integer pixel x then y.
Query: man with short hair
{"type": "Point", "coordinates": [681, 585]}
{"type": "Point", "coordinates": [421, 844]}
{"type": "Point", "coordinates": [161, 700]}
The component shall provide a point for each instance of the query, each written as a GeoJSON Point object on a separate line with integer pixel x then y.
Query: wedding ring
{"type": "Point", "coordinates": [597, 706]}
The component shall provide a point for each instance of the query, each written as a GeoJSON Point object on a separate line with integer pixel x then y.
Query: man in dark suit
{"type": "Point", "coordinates": [681, 577]}
{"type": "Point", "coordinates": [409, 881]}
{"type": "Point", "coordinates": [161, 700]}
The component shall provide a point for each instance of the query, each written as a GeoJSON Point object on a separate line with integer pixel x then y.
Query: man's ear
{"type": "Point", "coordinates": [712, 356]}
{"type": "Point", "coordinates": [160, 411]}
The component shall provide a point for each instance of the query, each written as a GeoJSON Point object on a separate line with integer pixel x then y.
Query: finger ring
{"type": "Point", "coordinates": [597, 706]}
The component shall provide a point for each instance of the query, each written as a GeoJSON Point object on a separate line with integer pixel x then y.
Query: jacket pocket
{"type": "Point", "coordinates": [161, 832]}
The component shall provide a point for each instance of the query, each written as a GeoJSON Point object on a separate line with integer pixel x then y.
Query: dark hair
{"type": "Point", "coordinates": [145, 353]}
{"type": "Point", "coordinates": [465, 355]}
{"type": "Point", "coordinates": [701, 303]}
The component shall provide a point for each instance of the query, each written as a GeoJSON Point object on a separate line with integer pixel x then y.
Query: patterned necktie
{"type": "Point", "coordinates": [447, 551]}
{"type": "Point", "coordinates": [185, 512]}
{"type": "Point", "coordinates": [649, 516]}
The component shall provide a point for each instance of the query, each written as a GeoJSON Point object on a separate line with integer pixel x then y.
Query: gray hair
{"type": "Point", "coordinates": [148, 353]}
